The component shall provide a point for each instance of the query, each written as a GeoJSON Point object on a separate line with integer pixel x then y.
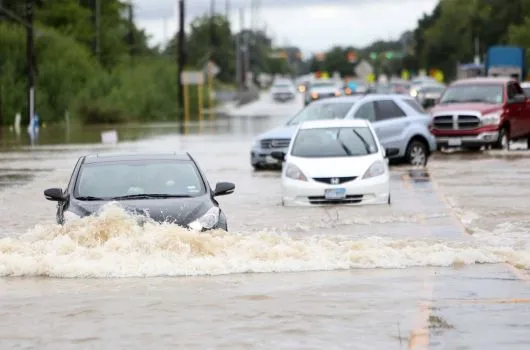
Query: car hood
{"type": "Point", "coordinates": [281, 132]}
{"type": "Point", "coordinates": [477, 107]}
{"type": "Point", "coordinates": [180, 211]}
{"type": "Point", "coordinates": [335, 167]}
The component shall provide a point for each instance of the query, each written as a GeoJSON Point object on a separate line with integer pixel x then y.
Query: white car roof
{"type": "Point", "coordinates": [525, 84]}
{"type": "Point", "coordinates": [334, 123]}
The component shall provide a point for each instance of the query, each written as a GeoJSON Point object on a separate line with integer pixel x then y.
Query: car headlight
{"type": "Point", "coordinates": [491, 118]}
{"type": "Point", "coordinates": [207, 221]}
{"type": "Point", "coordinates": [293, 172]}
{"type": "Point", "coordinates": [376, 169]}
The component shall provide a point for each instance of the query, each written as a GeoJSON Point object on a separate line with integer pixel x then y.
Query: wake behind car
{"type": "Point", "coordinates": [483, 111]}
{"type": "Point", "coordinates": [163, 187]}
{"type": "Point", "coordinates": [335, 162]}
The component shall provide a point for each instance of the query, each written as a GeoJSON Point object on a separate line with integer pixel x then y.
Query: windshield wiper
{"type": "Point", "coordinates": [366, 145]}
{"type": "Point", "coordinates": [150, 195]}
{"type": "Point", "coordinates": [89, 198]}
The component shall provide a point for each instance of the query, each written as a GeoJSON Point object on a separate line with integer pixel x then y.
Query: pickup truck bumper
{"type": "Point", "coordinates": [482, 139]}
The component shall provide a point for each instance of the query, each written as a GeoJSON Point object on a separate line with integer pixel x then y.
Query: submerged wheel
{"type": "Point", "coordinates": [417, 153]}
{"type": "Point", "coordinates": [503, 142]}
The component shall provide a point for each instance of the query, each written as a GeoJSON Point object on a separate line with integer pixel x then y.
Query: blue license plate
{"type": "Point", "coordinates": [335, 193]}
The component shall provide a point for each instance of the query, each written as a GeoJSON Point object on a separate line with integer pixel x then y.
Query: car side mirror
{"type": "Point", "coordinates": [278, 155]}
{"type": "Point", "coordinates": [391, 152]}
{"type": "Point", "coordinates": [54, 194]}
{"type": "Point", "coordinates": [224, 188]}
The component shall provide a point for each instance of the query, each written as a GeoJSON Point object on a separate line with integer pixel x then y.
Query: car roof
{"type": "Point", "coordinates": [102, 158]}
{"type": "Point", "coordinates": [483, 80]}
{"type": "Point", "coordinates": [334, 123]}
{"type": "Point", "coordinates": [525, 84]}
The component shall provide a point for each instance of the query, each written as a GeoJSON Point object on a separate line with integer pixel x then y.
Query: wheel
{"type": "Point", "coordinates": [417, 153]}
{"type": "Point", "coordinates": [503, 142]}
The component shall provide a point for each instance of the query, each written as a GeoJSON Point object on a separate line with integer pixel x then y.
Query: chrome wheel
{"type": "Point", "coordinates": [417, 153]}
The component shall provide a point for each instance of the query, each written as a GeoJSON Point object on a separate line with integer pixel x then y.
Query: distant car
{"type": "Point", "coordinates": [163, 187]}
{"type": "Point", "coordinates": [321, 89]}
{"type": "Point", "coordinates": [278, 139]}
{"type": "Point", "coordinates": [400, 122]}
{"type": "Point", "coordinates": [335, 162]}
{"type": "Point", "coordinates": [283, 91]}
{"type": "Point", "coordinates": [428, 94]}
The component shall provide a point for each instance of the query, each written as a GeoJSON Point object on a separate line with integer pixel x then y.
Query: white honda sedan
{"type": "Point", "coordinates": [335, 162]}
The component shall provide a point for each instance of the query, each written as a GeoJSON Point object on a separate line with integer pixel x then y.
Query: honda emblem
{"type": "Point", "coordinates": [334, 181]}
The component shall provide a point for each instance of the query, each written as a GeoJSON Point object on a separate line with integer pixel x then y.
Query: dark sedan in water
{"type": "Point", "coordinates": [162, 187]}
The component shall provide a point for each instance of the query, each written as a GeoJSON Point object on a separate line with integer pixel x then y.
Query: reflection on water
{"type": "Point", "coordinates": [63, 134]}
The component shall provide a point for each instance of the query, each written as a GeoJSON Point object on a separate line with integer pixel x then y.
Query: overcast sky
{"type": "Point", "coordinates": [312, 25]}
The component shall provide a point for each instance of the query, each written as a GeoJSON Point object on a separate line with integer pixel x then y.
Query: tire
{"type": "Point", "coordinates": [503, 142]}
{"type": "Point", "coordinates": [528, 143]}
{"type": "Point", "coordinates": [417, 153]}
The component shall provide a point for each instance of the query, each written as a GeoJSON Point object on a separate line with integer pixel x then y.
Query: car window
{"type": "Point", "coordinates": [414, 105]}
{"type": "Point", "coordinates": [487, 93]}
{"type": "Point", "coordinates": [115, 179]}
{"type": "Point", "coordinates": [322, 111]}
{"type": "Point", "coordinates": [366, 111]}
{"type": "Point", "coordinates": [334, 142]}
{"type": "Point", "coordinates": [388, 109]}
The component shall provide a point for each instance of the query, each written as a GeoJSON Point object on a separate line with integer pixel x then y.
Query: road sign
{"type": "Point", "coordinates": [212, 68]}
{"type": "Point", "coordinates": [363, 69]}
{"type": "Point", "coordinates": [192, 78]}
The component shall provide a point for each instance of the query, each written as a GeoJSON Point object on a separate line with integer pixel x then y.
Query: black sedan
{"type": "Point", "coordinates": [163, 187]}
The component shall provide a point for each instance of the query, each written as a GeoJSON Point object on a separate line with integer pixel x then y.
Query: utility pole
{"type": "Point", "coordinates": [131, 29]}
{"type": "Point", "coordinates": [181, 63]}
{"type": "Point", "coordinates": [30, 60]}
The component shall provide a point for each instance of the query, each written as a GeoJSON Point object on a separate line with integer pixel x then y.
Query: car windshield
{"type": "Point", "coordinates": [431, 89]}
{"type": "Point", "coordinates": [111, 180]}
{"type": "Point", "coordinates": [322, 111]}
{"type": "Point", "coordinates": [473, 93]}
{"type": "Point", "coordinates": [325, 84]}
{"type": "Point", "coordinates": [334, 142]}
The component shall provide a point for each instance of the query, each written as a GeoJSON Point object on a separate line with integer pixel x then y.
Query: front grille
{"type": "Point", "coordinates": [468, 122]}
{"type": "Point", "coordinates": [351, 199]}
{"type": "Point", "coordinates": [275, 143]}
{"type": "Point", "coordinates": [459, 122]}
{"type": "Point", "coordinates": [429, 102]}
{"type": "Point", "coordinates": [334, 180]}
{"type": "Point", "coordinates": [443, 122]}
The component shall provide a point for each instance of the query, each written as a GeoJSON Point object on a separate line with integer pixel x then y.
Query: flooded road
{"type": "Point", "coordinates": [445, 267]}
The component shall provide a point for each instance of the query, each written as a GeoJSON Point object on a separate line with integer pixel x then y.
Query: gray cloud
{"type": "Point", "coordinates": [159, 9]}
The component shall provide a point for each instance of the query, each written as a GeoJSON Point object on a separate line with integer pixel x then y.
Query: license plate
{"type": "Point", "coordinates": [335, 193]}
{"type": "Point", "coordinates": [270, 160]}
{"type": "Point", "coordinates": [455, 142]}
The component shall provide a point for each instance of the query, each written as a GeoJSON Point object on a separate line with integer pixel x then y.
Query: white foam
{"type": "Point", "coordinates": [114, 245]}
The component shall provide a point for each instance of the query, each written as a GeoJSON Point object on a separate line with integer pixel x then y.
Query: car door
{"type": "Point", "coordinates": [514, 109]}
{"type": "Point", "coordinates": [390, 123]}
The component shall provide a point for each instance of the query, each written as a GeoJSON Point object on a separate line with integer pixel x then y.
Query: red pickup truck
{"type": "Point", "coordinates": [485, 111]}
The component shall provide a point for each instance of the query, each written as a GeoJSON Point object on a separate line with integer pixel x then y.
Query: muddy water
{"type": "Point", "coordinates": [360, 278]}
